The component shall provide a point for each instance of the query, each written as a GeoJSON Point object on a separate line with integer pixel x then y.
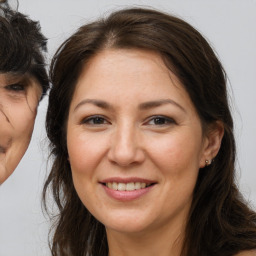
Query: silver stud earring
{"type": "Point", "coordinates": [208, 162]}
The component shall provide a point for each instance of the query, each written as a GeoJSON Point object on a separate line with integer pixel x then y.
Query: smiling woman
{"type": "Point", "coordinates": [19, 97]}
{"type": "Point", "coordinates": [23, 81]}
{"type": "Point", "coordinates": [138, 143]}
{"type": "Point", "coordinates": [142, 143]}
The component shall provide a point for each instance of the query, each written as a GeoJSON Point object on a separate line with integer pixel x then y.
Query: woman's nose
{"type": "Point", "coordinates": [126, 147]}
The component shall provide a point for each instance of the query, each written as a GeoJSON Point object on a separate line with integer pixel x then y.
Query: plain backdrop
{"type": "Point", "coordinates": [230, 27]}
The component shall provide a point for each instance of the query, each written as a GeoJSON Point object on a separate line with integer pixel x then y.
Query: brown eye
{"type": "Point", "coordinates": [95, 120]}
{"type": "Point", "coordinates": [15, 87]}
{"type": "Point", "coordinates": [160, 120]}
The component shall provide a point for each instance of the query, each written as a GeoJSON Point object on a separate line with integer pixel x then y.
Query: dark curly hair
{"type": "Point", "coordinates": [21, 46]}
{"type": "Point", "coordinates": [220, 222]}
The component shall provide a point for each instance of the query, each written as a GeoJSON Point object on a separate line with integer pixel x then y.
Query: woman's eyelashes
{"type": "Point", "coordinates": [95, 120]}
{"type": "Point", "coordinates": [156, 120]}
{"type": "Point", "coordinates": [16, 88]}
{"type": "Point", "coordinates": [160, 121]}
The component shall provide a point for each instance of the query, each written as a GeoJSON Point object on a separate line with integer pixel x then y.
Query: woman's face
{"type": "Point", "coordinates": [135, 142]}
{"type": "Point", "coordinates": [19, 98]}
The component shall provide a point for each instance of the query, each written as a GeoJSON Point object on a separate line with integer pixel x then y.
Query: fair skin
{"type": "Point", "coordinates": [247, 253]}
{"type": "Point", "coordinates": [131, 124]}
{"type": "Point", "coordinates": [19, 97]}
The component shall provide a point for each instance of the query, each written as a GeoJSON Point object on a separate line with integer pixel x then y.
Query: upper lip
{"type": "Point", "coordinates": [127, 180]}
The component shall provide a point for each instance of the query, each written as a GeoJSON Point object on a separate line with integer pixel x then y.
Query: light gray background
{"type": "Point", "coordinates": [230, 26]}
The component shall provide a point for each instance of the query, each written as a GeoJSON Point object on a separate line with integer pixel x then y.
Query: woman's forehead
{"type": "Point", "coordinates": [11, 77]}
{"type": "Point", "coordinates": [14, 77]}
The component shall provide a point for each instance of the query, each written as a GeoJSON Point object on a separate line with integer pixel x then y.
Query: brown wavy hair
{"type": "Point", "coordinates": [220, 222]}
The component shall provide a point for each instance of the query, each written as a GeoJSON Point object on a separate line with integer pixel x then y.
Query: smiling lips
{"type": "Point", "coordinates": [127, 186]}
{"type": "Point", "coordinates": [126, 190]}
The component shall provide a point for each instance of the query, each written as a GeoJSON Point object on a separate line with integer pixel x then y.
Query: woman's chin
{"type": "Point", "coordinates": [127, 225]}
{"type": "Point", "coordinates": [126, 229]}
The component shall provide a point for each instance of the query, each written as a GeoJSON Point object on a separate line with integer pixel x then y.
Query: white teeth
{"type": "Point", "coordinates": [114, 185]}
{"type": "Point", "coordinates": [130, 186]}
{"type": "Point", "coordinates": [137, 185]}
{"type": "Point", "coordinates": [121, 186]}
{"type": "Point", "coordinates": [126, 186]}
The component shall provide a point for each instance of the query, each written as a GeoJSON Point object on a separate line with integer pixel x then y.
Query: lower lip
{"type": "Point", "coordinates": [126, 195]}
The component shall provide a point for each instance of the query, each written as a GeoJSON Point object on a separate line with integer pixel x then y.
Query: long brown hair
{"type": "Point", "coordinates": [219, 223]}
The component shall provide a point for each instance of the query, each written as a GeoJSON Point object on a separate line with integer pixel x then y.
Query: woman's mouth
{"type": "Point", "coordinates": [127, 189]}
{"type": "Point", "coordinates": [127, 186]}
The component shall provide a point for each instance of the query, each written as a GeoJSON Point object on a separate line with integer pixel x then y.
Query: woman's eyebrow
{"type": "Point", "coordinates": [157, 103]}
{"type": "Point", "coordinates": [98, 103]}
{"type": "Point", "coordinates": [142, 106]}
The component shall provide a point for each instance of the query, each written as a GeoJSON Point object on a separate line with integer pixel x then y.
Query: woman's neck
{"type": "Point", "coordinates": [165, 242]}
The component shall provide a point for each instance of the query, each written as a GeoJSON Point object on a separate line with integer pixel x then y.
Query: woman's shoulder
{"type": "Point", "coordinates": [247, 253]}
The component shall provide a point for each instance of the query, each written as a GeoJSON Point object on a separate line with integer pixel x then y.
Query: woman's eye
{"type": "Point", "coordinates": [95, 120]}
{"type": "Point", "coordinates": [15, 87]}
{"type": "Point", "coordinates": [160, 120]}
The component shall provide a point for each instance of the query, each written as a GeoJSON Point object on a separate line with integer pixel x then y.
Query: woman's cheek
{"type": "Point", "coordinates": [173, 152]}
{"type": "Point", "coordinates": [85, 150]}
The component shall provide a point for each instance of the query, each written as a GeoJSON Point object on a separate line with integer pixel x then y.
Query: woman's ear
{"type": "Point", "coordinates": [212, 143]}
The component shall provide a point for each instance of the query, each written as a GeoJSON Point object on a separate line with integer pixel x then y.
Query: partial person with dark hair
{"type": "Point", "coordinates": [143, 144]}
{"type": "Point", "coordinates": [23, 82]}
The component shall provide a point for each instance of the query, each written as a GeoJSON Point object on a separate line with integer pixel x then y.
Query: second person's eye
{"type": "Point", "coordinates": [15, 87]}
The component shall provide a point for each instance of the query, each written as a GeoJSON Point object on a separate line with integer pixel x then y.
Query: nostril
{"type": "Point", "coordinates": [124, 149]}
{"type": "Point", "coordinates": [123, 157]}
